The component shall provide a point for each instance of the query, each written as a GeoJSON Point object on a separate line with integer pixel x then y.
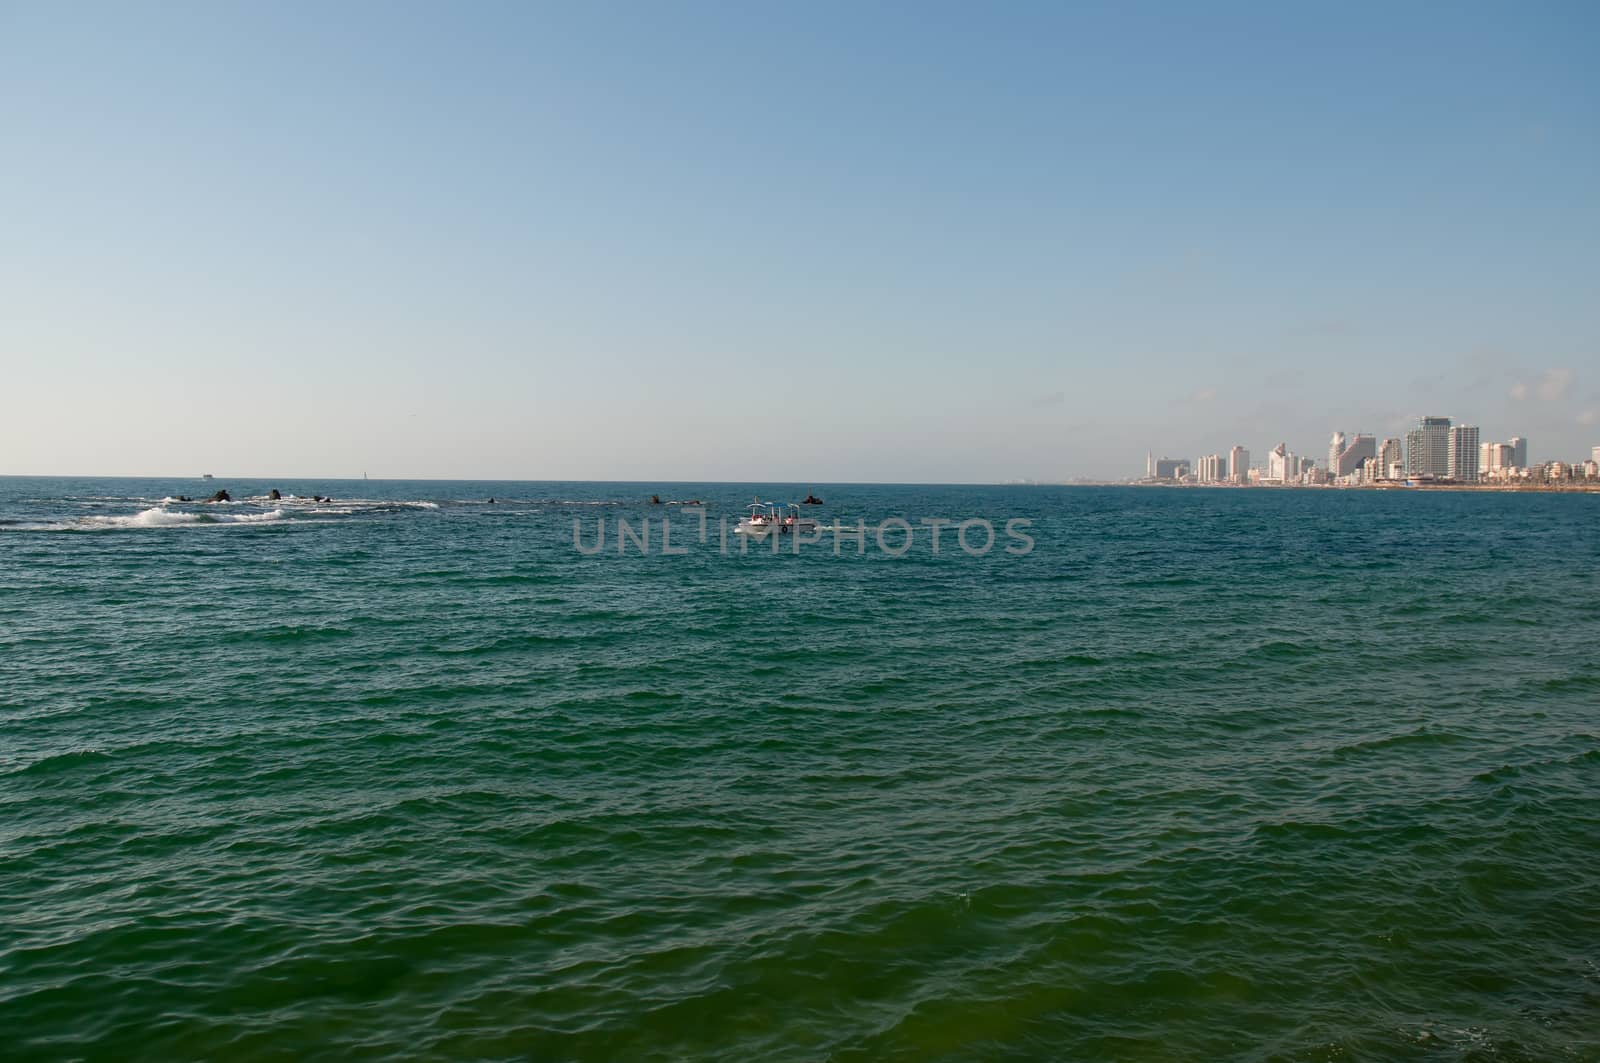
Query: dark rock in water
{"type": "Point", "coordinates": [185, 498]}
{"type": "Point", "coordinates": [274, 495]}
{"type": "Point", "coordinates": [655, 500]}
{"type": "Point", "coordinates": [491, 501]}
{"type": "Point", "coordinates": [221, 496]}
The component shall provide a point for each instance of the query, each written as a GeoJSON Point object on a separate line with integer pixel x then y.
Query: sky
{"type": "Point", "coordinates": [809, 242]}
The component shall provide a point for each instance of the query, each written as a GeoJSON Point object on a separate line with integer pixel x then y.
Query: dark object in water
{"type": "Point", "coordinates": [811, 500]}
{"type": "Point", "coordinates": [185, 498]}
{"type": "Point", "coordinates": [274, 495]}
{"type": "Point", "coordinates": [655, 500]}
{"type": "Point", "coordinates": [221, 496]}
{"type": "Point", "coordinates": [491, 501]}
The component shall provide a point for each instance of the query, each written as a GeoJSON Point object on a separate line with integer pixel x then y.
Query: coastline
{"type": "Point", "coordinates": [1545, 488]}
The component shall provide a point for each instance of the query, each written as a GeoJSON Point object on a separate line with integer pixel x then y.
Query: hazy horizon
{"type": "Point", "coordinates": [907, 243]}
{"type": "Point", "coordinates": [223, 478]}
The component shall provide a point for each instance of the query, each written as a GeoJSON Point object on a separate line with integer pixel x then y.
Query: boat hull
{"type": "Point", "coordinates": [745, 527]}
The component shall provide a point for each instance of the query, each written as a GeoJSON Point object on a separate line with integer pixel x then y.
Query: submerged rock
{"type": "Point", "coordinates": [221, 496]}
{"type": "Point", "coordinates": [274, 495]}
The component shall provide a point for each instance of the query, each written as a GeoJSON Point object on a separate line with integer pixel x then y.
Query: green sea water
{"type": "Point", "coordinates": [1206, 774]}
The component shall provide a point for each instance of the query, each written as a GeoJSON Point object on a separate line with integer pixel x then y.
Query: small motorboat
{"type": "Point", "coordinates": [774, 517]}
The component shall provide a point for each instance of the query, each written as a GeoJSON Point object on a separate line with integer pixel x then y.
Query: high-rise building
{"type": "Point", "coordinates": [1389, 456]}
{"type": "Point", "coordinates": [1171, 469]}
{"type": "Point", "coordinates": [1209, 469]}
{"type": "Point", "coordinates": [1428, 448]}
{"type": "Point", "coordinates": [1346, 455]}
{"type": "Point", "coordinates": [1461, 452]}
{"type": "Point", "coordinates": [1519, 452]}
{"type": "Point", "coordinates": [1278, 464]}
{"type": "Point", "coordinates": [1238, 465]}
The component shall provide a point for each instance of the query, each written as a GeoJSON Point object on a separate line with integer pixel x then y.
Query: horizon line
{"type": "Point", "coordinates": [1021, 482]}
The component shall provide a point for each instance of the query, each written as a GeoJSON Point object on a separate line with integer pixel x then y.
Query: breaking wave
{"type": "Point", "coordinates": [154, 517]}
{"type": "Point", "coordinates": [159, 517]}
{"type": "Point", "coordinates": [178, 513]}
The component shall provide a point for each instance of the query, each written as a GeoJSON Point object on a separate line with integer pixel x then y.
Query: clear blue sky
{"type": "Point", "coordinates": [809, 241]}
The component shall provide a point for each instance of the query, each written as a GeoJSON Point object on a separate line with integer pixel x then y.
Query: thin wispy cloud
{"type": "Point", "coordinates": [1551, 386]}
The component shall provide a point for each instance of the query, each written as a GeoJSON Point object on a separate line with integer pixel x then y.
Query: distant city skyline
{"type": "Point", "coordinates": [1435, 448]}
{"type": "Point", "coordinates": [815, 243]}
{"type": "Point", "coordinates": [1405, 429]}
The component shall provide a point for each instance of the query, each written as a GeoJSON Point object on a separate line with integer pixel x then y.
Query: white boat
{"type": "Point", "coordinates": [779, 517]}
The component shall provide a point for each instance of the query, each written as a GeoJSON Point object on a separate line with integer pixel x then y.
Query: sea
{"type": "Point", "coordinates": [1015, 772]}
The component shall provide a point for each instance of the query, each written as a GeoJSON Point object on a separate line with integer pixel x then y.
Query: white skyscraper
{"type": "Point", "coordinates": [1462, 453]}
{"type": "Point", "coordinates": [1519, 452]}
{"type": "Point", "coordinates": [1390, 457]}
{"type": "Point", "coordinates": [1239, 465]}
{"type": "Point", "coordinates": [1350, 453]}
{"type": "Point", "coordinates": [1428, 448]}
{"type": "Point", "coordinates": [1278, 459]}
{"type": "Point", "coordinates": [1494, 459]}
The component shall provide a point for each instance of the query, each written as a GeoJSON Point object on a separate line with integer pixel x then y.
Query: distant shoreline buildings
{"type": "Point", "coordinates": [1436, 451]}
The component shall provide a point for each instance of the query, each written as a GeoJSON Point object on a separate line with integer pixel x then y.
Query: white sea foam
{"type": "Point", "coordinates": [169, 512]}
{"type": "Point", "coordinates": [154, 517]}
{"type": "Point", "coordinates": [350, 505]}
{"type": "Point", "coordinates": [161, 517]}
{"type": "Point", "coordinates": [253, 518]}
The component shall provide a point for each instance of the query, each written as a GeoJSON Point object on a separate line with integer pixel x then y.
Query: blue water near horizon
{"type": "Point", "coordinates": [1206, 774]}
